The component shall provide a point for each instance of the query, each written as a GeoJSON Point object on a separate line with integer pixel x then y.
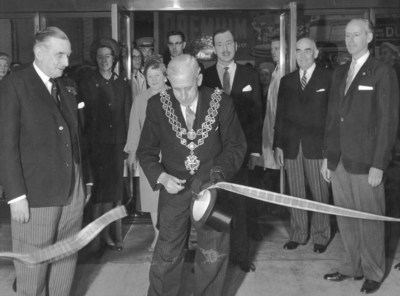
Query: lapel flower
{"type": "Point", "coordinates": [71, 90]}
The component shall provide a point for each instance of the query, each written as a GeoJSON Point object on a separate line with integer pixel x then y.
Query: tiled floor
{"type": "Point", "coordinates": [278, 272]}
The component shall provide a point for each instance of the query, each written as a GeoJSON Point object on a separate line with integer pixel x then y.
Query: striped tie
{"type": "Point", "coordinates": [350, 75]}
{"type": "Point", "coordinates": [303, 80]}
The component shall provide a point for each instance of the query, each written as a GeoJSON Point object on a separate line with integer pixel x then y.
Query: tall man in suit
{"type": "Point", "coordinates": [360, 133]}
{"type": "Point", "coordinates": [200, 139]}
{"type": "Point", "coordinates": [298, 141]}
{"type": "Point", "coordinates": [41, 165]}
{"type": "Point", "coordinates": [242, 84]}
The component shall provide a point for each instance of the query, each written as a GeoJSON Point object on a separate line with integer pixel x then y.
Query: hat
{"type": "Point", "coordinates": [266, 66]}
{"type": "Point", "coordinates": [104, 42]}
{"type": "Point", "coordinates": [145, 42]}
{"type": "Point", "coordinates": [391, 46]}
{"type": "Point", "coordinates": [4, 56]}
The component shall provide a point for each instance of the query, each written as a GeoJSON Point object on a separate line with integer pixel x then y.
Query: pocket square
{"type": "Point", "coordinates": [365, 87]}
{"type": "Point", "coordinates": [247, 88]}
{"type": "Point", "coordinates": [81, 105]}
{"type": "Point", "coordinates": [320, 90]}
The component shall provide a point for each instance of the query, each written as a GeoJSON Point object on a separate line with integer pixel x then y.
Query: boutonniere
{"type": "Point", "coordinates": [71, 90]}
{"type": "Point", "coordinates": [367, 72]}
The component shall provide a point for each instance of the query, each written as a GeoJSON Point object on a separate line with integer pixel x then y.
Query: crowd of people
{"type": "Point", "coordinates": [179, 128]}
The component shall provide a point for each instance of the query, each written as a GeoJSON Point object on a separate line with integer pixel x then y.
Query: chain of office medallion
{"type": "Point", "coordinates": [205, 126]}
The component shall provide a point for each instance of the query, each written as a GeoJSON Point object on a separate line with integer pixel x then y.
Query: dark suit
{"type": "Point", "coordinates": [299, 132]}
{"type": "Point", "coordinates": [248, 107]}
{"type": "Point", "coordinates": [360, 133]}
{"type": "Point", "coordinates": [224, 146]}
{"type": "Point", "coordinates": [40, 158]}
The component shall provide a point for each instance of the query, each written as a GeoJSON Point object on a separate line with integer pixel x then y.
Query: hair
{"type": "Point", "coordinates": [221, 31]}
{"type": "Point", "coordinates": [5, 56]}
{"type": "Point", "coordinates": [108, 43]}
{"type": "Point", "coordinates": [176, 33]}
{"type": "Point", "coordinates": [369, 26]}
{"type": "Point", "coordinates": [140, 52]}
{"type": "Point", "coordinates": [179, 64]}
{"type": "Point", "coordinates": [154, 63]}
{"type": "Point", "coordinates": [44, 35]}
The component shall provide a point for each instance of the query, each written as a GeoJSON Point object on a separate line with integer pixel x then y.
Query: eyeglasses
{"type": "Point", "coordinates": [136, 57]}
{"type": "Point", "coordinates": [174, 44]}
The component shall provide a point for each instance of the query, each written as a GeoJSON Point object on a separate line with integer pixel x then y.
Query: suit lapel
{"type": "Point", "coordinates": [40, 91]}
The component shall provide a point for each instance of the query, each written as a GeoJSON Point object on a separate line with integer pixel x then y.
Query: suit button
{"type": "Point", "coordinates": [110, 125]}
{"type": "Point", "coordinates": [341, 119]}
{"type": "Point", "coordinates": [109, 104]}
{"type": "Point", "coordinates": [67, 145]}
{"type": "Point", "coordinates": [60, 128]}
{"type": "Point", "coordinates": [67, 164]}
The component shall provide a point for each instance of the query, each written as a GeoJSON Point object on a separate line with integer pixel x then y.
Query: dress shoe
{"type": "Point", "coordinates": [14, 285]}
{"type": "Point", "coordinates": [338, 277]}
{"type": "Point", "coordinates": [370, 287]}
{"type": "Point", "coordinates": [319, 248]}
{"type": "Point", "coordinates": [246, 266]}
{"type": "Point", "coordinates": [291, 245]}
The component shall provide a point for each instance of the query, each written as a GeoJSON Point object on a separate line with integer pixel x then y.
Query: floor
{"type": "Point", "coordinates": [278, 272]}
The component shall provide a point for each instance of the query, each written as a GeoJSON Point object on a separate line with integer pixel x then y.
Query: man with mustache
{"type": "Point", "coordinates": [242, 84]}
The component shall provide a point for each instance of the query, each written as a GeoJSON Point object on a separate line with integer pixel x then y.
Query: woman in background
{"type": "Point", "coordinates": [155, 73]}
{"type": "Point", "coordinates": [107, 100]}
{"type": "Point", "coordinates": [4, 65]}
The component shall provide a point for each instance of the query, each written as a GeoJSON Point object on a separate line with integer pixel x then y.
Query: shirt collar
{"type": "Point", "coordinates": [361, 60]}
{"type": "Point", "coordinates": [310, 71]}
{"type": "Point", "coordinates": [42, 76]}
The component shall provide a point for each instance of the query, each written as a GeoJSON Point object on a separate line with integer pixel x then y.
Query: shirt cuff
{"type": "Point", "coordinates": [17, 199]}
{"type": "Point", "coordinates": [255, 154]}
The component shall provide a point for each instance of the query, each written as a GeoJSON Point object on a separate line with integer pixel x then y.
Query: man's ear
{"type": "Point", "coordinates": [184, 45]}
{"type": "Point", "coordinates": [199, 79]}
{"type": "Point", "coordinates": [236, 46]}
{"type": "Point", "coordinates": [38, 51]}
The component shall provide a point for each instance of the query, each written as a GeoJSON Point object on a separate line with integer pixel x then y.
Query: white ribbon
{"type": "Point", "coordinates": [298, 203]}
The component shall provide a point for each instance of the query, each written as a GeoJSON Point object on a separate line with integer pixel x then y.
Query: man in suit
{"type": "Point", "coordinates": [360, 132]}
{"type": "Point", "coordinates": [176, 43]}
{"type": "Point", "coordinates": [41, 165]}
{"type": "Point", "coordinates": [200, 139]}
{"type": "Point", "coordinates": [242, 84]}
{"type": "Point", "coordinates": [298, 141]}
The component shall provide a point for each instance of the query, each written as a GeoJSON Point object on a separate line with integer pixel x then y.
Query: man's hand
{"type": "Point", "coordinates": [20, 211]}
{"type": "Point", "coordinates": [88, 193]}
{"type": "Point", "coordinates": [254, 159]}
{"type": "Point", "coordinates": [171, 183]}
{"type": "Point", "coordinates": [132, 161]}
{"type": "Point", "coordinates": [278, 155]}
{"type": "Point", "coordinates": [326, 173]}
{"type": "Point", "coordinates": [375, 177]}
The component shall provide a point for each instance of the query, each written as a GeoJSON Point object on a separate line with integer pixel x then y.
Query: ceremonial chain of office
{"type": "Point", "coordinates": [192, 162]}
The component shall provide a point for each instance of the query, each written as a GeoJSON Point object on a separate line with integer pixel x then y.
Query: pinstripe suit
{"type": "Point", "coordinates": [299, 131]}
{"type": "Point", "coordinates": [40, 155]}
{"type": "Point", "coordinates": [224, 146]}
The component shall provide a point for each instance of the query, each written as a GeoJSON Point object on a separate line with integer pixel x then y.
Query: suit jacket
{"type": "Point", "coordinates": [301, 114]}
{"type": "Point", "coordinates": [37, 140]}
{"type": "Point", "coordinates": [224, 144]}
{"type": "Point", "coordinates": [361, 125]}
{"type": "Point", "coordinates": [248, 103]}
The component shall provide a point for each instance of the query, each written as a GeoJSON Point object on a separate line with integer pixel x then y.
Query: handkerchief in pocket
{"type": "Point", "coordinates": [365, 87]}
{"type": "Point", "coordinates": [320, 90]}
{"type": "Point", "coordinates": [247, 88]}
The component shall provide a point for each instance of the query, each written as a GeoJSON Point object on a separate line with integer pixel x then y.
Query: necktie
{"type": "Point", "coordinates": [54, 91]}
{"type": "Point", "coordinates": [227, 81]}
{"type": "Point", "coordinates": [190, 116]}
{"type": "Point", "coordinates": [303, 80]}
{"type": "Point", "coordinates": [350, 75]}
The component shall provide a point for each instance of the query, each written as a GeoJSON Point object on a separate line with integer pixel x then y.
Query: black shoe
{"type": "Point", "coordinates": [397, 266]}
{"type": "Point", "coordinates": [370, 287]}
{"type": "Point", "coordinates": [246, 266]}
{"type": "Point", "coordinates": [291, 245]}
{"type": "Point", "coordinates": [338, 277]}
{"type": "Point", "coordinates": [319, 248]}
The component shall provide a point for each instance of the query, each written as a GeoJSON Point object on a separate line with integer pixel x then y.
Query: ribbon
{"type": "Point", "coordinates": [298, 203]}
{"type": "Point", "coordinates": [70, 245]}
